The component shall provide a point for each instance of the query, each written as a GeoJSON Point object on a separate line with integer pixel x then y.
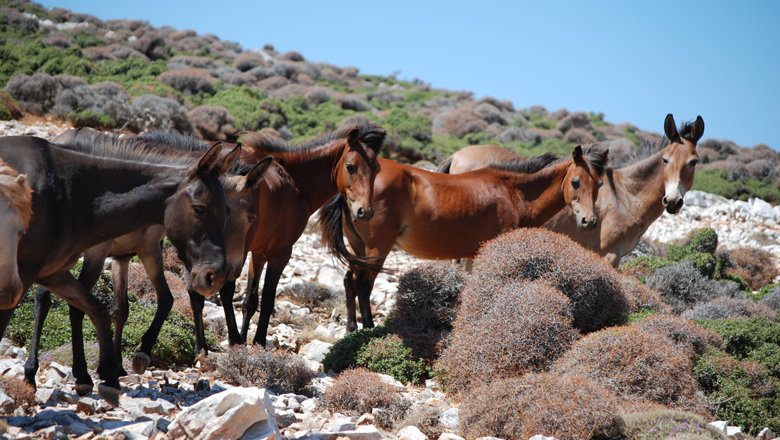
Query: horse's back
{"type": "Point", "coordinates": [475, 157]}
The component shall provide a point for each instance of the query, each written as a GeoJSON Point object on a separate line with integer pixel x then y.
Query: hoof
{"type": "Point", "coordinates": [122, 372]}
{"type": "Point", "coordinates": [141, 362]}
{"type": "Point", "coordinates": [83, 389]}
{"type": "Point", "coordinates": [109, 394]}
{"type": "Point", "coordinates": [201, 358]}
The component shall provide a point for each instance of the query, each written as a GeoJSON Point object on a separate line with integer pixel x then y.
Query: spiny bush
{"type": "Point", "coordinates": [389, 355]}
{"type": "Point", "coordinates": [343, 354]}
{"type": "Point", "coordinates": [668, 424]}
{"type": "Point", "coordinates": [739, 391]}
{"type": "Point", "coordinates": [686, 335]}
{"type": "Point", "coordinates": [151, 112]}
{"type": "Point", "coordinates": [19, 390]}
{"type": "Point", "coordinates": [425, 306]}
{"type": "Point", "coordinates": [212, 122]}
{"type": "Point", "coordinates": [247, 60]}
{"type": "Point", "coordinates": [729, 308]}
{"type": "Point", "coordinates": [642, 298]}
{"type": "Point", "coordinates": [389, 417]}
{"type": "Point", "coordinates": [426, 418]}
{"type": "Point", "coordinates": [566, 407]}
{"type": "Point", "coordinates": [683, 286]}
{"type": "Point", "coordinates": [756, 339]}
{"type": "Point", "coordinates": [280, 371]}
{"type": "Point", "coordinates": [636, 366]}
{"type": "Point", "coordinates": [756, 266]}
{"type": "Point", "coordinates": [593, 286]}
{"type": "Point", "coordinates": [525, 327]}
{"type": "Point", "coordinates": [359, 390]}
{"type": "Point", "coordinates": [192, 81]}
{"type": "Point", "coordinates": [311, 295]}
{"type": "Point", "coordinates": [36, 93]}
{"type": "Point", "coordinates": [772, 299]}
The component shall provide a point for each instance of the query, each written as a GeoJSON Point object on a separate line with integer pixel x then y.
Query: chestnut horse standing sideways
{"type": "Point", "coordinates": [238, 185]}
{"type": "Point", "coordinates": [634, 196]}
{"type": "Point", "coordinates": [15, 214]}
{"type": "Point", "coordinates": [439, 216]}
{"type": "Point", "coordinates": [312, 173]}
{"type": "Point", "coordinates": [81, 199]}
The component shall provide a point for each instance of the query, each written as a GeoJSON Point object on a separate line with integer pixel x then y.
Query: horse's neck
{"type": "Point", "coordinates": [313, 172]}
{"type": "Point", "coordinates": [544, 192]}
{"type": "Point", "coordinates": [640, 188]}
{"type": "Point", "coordinates": [118, 196]}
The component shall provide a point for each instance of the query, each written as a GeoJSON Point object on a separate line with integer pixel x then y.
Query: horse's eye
{"type": "Point", "coordinates": [666, 160]}
{"type": "Point", "coordinates": [351, 169]}
{"type": "Point", "coordinates": [199, 209]}
{"type": "Point", "coordinates": [601, 182]}
{"type": "Point", "coordinates": [693, 162]}
{"type": "Point", "coordinates": [575, 183]}
{"type": "Point", "coordinates": [251, 218]}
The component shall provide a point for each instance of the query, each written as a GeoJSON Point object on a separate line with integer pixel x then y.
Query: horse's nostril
{"type": "Point", "coordinates": [665, 201]}
{"type": "Point", "coordinates": [209, 278]}
{"type": "Point", "coordinates": [361, 212]}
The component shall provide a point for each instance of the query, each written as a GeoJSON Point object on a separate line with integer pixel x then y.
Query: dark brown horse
{"type": "Point", "coordinates": [634, 197]}
{"type": "Point", "coordinates": [108, 189]}
{"type": "Point", "coordinates": [15, 214]}
{"type": "Point", "coordinates": [440, 216]}
{"type": "Point", "coordinates": [238, 184]}
{"type": "Point", "coordinates": [312, 172]}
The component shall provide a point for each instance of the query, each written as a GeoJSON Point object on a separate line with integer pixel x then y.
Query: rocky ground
{"type": "Point", "coordinates": [161, 403]}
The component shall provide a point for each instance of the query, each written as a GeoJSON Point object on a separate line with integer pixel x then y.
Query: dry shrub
{"type": "Point", "coordinates": [667, 423]}
{"type": "Point", "coordinates": [525, 327]}
{"type": "Point", "coordinates": [171, 261]}
{"type": "Point", "coordinates": [150, 112]}
{"type": "Point", "coordinates": [138, 282]}
{"type": "Point", "coordinates": [460, 122]}
{"type": "Point", "coordinates": [636, 366]}
{"type": "Point", "coordinates": [311, 295]}
{"type": "Point", "coordinates": [686, 335]}
{"type": "Point", "coordinates": [212, 122]}
{"type": "Point", "coordinates": [579, 136]}
{"type": "Point", "coordinates": [754, 265]}
{"type": "Point", "coordinates": [772, 299]}
{"type": "Point", "coordinates": [359, 390]}
{"type": "Point", "coordinates": [9, 108]}
{"type": "Point", "coordinates": [19, 390]}
{"type": "Point", "coordinates": [682, 285]}
{"type": "Point", "coordinates": [730, 308]}
{"type": "Point", "coordinates": [641, 297]}
{"type": "Point", "coordinates": [36, 93]}
{"type": "Point", "coordinates": [425, 306]}
{"type": "Point", "coordinates": [567, 407]}
{"type": "Point", "coordinates": [280, 371]}
{"type": "Point", "coordinates": [247, 60]}
{"type": "Point", "coordinates": [574, 120]}
{"type": "Point", "coordinates": [426, 418]}
{"type": "Point", "coordinates": [192, 80]}
{"type": "Point", "coordinates": [594, 288]}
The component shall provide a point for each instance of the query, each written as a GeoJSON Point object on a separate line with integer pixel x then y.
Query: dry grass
{"type": "Point", "coordinates": [636, 366]}
{"type": "Point", "coordinates": [425, 418]}
{"type": "Point", "coordinates": [666, 423]}
{"type": "Point", "coordinates": [359, 390]}
{"type": "Point", "coordinates": [684, 334]}
{"type": "Point", "coordinates": [19, 390]}
{"type": "Point", "coordinates": [592, 285]}
{"type": "Point", "coordinates": [567, 407]}
{"type": "Point", "coordinates": [756, 266]}
{"type": "Point", "coordinates": [641, 297]}
{"type": "Point", "coordinates": [254, 366]}
{"type": "Point", "coordinates": [525, 327]}
{"type": "Point", "coordinates": [730, 308]}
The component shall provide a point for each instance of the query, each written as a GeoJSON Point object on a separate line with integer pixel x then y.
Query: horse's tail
{"type": "Point", "coordinates": [332, 235]}
{"type": "Point", "coordinates": [444, 167]}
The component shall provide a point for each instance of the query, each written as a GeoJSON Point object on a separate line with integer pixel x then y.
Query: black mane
{"type": "Point", "coordinates": [369, 133]}
{"type": "Point", "coordinates": [597, 159]}
{"type": "Point", "coordinates": [525, 166]}
{"type": "Point", "coordinates": [132, 148]}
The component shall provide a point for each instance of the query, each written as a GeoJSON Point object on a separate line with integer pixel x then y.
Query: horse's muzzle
{"type": "Point", "coordinates": [587, 223]}
{"type": "Point", "coordinates": [363, 214]}
{"type": "Point", "coordinates": [206, 280]}
{"type": "Point", "coordinates": [673, 206]}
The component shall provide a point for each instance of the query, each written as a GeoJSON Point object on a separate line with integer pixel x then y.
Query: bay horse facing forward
{"type": "Point", "coordinates": [312, 172]}
{"type": "Point", "coordinates": [15, 214]}
{"type": "Point", "coordinates": [109, 189]}
{"type": "Point", "coordinates": [439, 216]}
{"type": "Point", "coordinates": [633, 197]}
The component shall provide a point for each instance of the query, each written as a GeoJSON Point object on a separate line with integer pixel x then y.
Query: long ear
{"type": "Point", "coordinates": [697, 131]}
{"type": "Point", "coordinates": [256, 173]}
{"type": "Point", "coordinates": [209, 163]}
{"type": "Point", "coordinates": [229, 159]}
{"type": "Point", "coordinates": [577, 153]}
{"type": "Point", "coordinates": [21, 179]}
{"type": "Point", "coordinates": [353, 138]}
{"type": "Point", "coordinates": [670, 128]}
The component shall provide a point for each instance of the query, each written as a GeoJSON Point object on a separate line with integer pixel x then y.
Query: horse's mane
{"type": "Point", "coordinates": [19, 193]}
{"type": "Point", "coordinates": [525, 166]}
{"type": "Point", "coordinates": [175, 140]}
{"type": "Point", "coordinates": [132, 148]}
{"type": "Point", "coordinates": [685, 131]}
{"type": "Point", "coordinates": [369, 133]}
{"type": "Point", "coordinates": [597, 158]}
{"type": "Point", "coordinates": [645, 150]}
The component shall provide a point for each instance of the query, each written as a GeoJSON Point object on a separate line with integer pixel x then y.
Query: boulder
{"type": "Point", "coordinates": [229, 414]}
{"type": "Point", "coordinates": [411, 433]}
{"type": "Point", "coordinates": [315, 350]}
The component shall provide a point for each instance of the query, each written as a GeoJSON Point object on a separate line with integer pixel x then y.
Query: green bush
{"type": "Point", "coordinates": [343, 354]}
{"type": "Point", "coordinates": [704, 240]}
{"type": "Point", "coordinates": [739, 391]}
{"type": "Point", "coordinates": [90, 118]}
{"type": "Point", "coordinates": [389, 355]}
{"type": "Point", "coordinates": [717, 182]}
{"type": "Point", "coordinates": [756, 339]}
{"type": "Point", "coordinates": [243, 104]}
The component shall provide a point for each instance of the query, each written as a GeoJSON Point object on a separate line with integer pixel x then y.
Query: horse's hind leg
{"type": "Point", "coordinates": [249, 306]}
{"type": "Point", "coordinates": [351, 293]}
{"type": "Point", "coordinates": [41, 310]}
{"type": "Point", "coordinates": [364, 284]}
{"type": "Point", "coordinates": [153, 265]}
{"type": "Point", "coordinates": [197, 302]}
{"type": "Point", "coordinates": [272, 274]}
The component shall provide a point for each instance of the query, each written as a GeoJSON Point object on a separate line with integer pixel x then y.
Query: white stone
{"type": "Point", "coordinates": [390, 380]}
{"type": "Point", "coordinates": [450, 418]}
{"type": "Point", "coordinates": [368, 432]}
{"type": "Point", "coordinates": [309, 405]}
{"type": "Point", "coordinates": [315, 350]}
{"type": "Point", "coordinates": [228, 414]}
{"type": "Point", "coordinates": [411, 433]}
{"type": "Point", "coordinates": [541, 437]}
{"type": "Point", "coordinates": [733, 431]}
{"type": "Point", "coordinates": [285, 337]}
{"type": "Point", "coordinates": [720, 425]}
{"type": "Point", "coordinates": [766, 434]}
{"type": "Point", "coordinates": [762, 209]}
{"type": "Point", "coordinates": [450, 436]}
{"type": "Point", "coordinates": [132, 430]}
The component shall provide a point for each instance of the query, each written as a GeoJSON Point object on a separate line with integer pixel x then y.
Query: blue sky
{"type": "Point", "coordinates": [635, 62]}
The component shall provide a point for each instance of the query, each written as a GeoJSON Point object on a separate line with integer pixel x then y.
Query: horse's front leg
{"type": "Point", "coordinates": [273, 273]}
{"type": "Point", "coordinates": [350, 294]}
{"type": "Point", "coordinates": [249, 305]}
{"type": "Point", "coordinates": [152, 260]}
{"type": "Point", "coordinates": [40, 311]}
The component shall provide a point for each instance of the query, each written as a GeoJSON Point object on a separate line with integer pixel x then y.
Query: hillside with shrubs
{"type": "Point", "coordinates": [128, 75]}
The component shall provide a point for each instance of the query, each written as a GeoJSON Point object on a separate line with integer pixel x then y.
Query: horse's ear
{"type": "Point", "coordinates": [697, 131]}
{"type": "Point", "coordinates": [353, 138]}
{"type": "Point", "coordinates": [256, 173]}
{"type": "Point", "coordinates": [670, 129]}
{"type": "Point", "coordinates": [209, 163]}
{"type": "Point", "coordinates": [21, 179]}
{"type": "Point", "coordinates": [577, 153]}
{"type": "Point", "coordinates": [230, 159]}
